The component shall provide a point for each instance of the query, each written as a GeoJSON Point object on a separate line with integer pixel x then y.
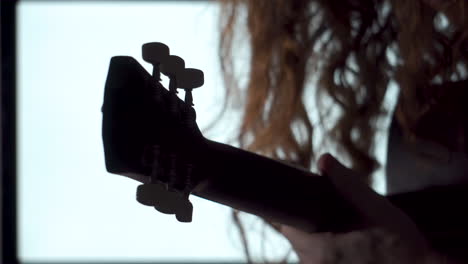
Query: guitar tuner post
{"type": "Point", "coordinates": [188, 97]}
{"type": "Point", "coordinates": [172, 67]}
{"type": "Point", "coordinates": [155, 91]}
{"type": "Point", "coordinates": [188, 119]}
{"type": "Point", "coordinates": [155, 166]}
{"type": "Point", "coordinates": [188, 80]}
{"type": "Point", "coordinates": [172, 170]}
{"type": "Point", "coordinates": [155, 53]}
{"type": "Point", "coordinates": [188, 179]}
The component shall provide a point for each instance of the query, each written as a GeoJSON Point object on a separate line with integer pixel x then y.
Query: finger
{"type": "Point", "coordinates": [310, 248]}
{"type": "Point", "coordinates": [370, 204]}
{"type": "Point", "coordinates": [349, 183]}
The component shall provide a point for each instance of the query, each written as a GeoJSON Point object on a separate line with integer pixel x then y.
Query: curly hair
{"type": "Point", "coordinates": [353, 49]}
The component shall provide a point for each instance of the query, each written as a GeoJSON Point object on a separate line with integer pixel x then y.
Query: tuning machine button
{"type": "Point", "coordinates": [155, 53]}
{"type": "Point", "coordinates": [172, 67]}
{"type": "Point", "coordinates": [166, 203]}
{"type": "Point", "coordinates": [176, 203]}
{"type": "Point", "coordinates": [184, 210]}
{"type": "Point", "coordinates": [158, 196]}
{"type": "Point", "coordinates": [150, 193]}
{"type": "Point", "coordinates": [189, 79]}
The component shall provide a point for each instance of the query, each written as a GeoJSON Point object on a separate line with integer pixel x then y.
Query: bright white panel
{"type": "Point", "coordinates": [64, 51]}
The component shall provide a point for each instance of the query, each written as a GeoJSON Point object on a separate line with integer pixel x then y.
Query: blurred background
{"type": "Point", "coordinates": [64, 49]}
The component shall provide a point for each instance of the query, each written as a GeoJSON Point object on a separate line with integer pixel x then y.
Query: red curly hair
{"type": "Point", "coordinates": [353, 50]}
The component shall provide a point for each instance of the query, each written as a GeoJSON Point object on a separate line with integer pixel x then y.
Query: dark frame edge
{"type": "Point", "coordinates": [8, 133]}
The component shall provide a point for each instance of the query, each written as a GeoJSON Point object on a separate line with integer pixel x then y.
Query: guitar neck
{"type": "Point", "coordinates": [272, 189]}
{"type": "Point", "coordinates": [294, 196]}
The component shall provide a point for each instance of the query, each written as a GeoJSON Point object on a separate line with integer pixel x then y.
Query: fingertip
{"type": "Point", "coordinates": [325, 162]}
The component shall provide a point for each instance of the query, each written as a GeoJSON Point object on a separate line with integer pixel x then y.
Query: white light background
{"type": "Point", "coordinates": [64, 53]}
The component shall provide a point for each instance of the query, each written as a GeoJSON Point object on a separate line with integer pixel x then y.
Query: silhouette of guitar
{"type": "Point", "coordinates": [150, 135]}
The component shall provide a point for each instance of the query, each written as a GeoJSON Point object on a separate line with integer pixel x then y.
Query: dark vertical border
{"type": "Point", "coordinates": [8, 130]}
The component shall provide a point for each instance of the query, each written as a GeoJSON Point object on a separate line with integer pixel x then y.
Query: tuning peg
{"type": "Point", "coordinates": [155, 53]}
{"type": "Point", "coordinates": [170, 202]}
{"type": "Point", "coordinates": [166, 203]}
{"type": "Point", "coordinates": [164, 200]}
{"type": "Point", "coordinates": [189, 79]}
{"type": "Point", "coordinates": [151, 158]}
{"type": "Point", "coordinates": [150, 193]}
{"type": "Point", "coordinates": [181, 206]}
{"type": "Point", "coordinates": [172, 68]}
{"type": "Point", "coordinates": [184, 210]}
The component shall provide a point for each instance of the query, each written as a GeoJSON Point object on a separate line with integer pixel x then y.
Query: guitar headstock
{"type": "Point", "coordinates": [150, 134]}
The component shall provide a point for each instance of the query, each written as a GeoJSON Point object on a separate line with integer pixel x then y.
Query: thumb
{"type": "Point", "coordinates": [348, 182]}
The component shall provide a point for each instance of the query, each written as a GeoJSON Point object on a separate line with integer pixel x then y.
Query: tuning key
{"type": "Point", "coordinates": [176, 203]}
{"type": "Point", "coordinates": [150, 193]}
{"type": "Point", "coordinates": [155, 53]}
{"type": "Point", "coordinates": [188, 178]}
{"type": "Point", "coordinates": [184, 210]}
{"type": "Point", "coordinates": [188, 80]}
{"type": "Point", "coordinates": [165, 201]}
{"type": "Point", "coordinates": [165, 204]}
{"type": "Point", "coordinates": [151, 158]}
{"type": "Point", "coordinates": [182, 207]}
{"type": "Point", "coordinates": [172, 68]}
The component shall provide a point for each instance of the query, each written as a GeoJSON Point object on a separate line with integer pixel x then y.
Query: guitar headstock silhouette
{"type": "Point", "coordinates": [151, 135]}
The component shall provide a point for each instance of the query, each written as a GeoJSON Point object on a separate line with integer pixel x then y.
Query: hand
{"type": "Point", "coordinates": [392, 238]}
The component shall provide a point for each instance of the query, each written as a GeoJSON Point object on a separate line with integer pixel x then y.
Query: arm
{"type": "Point", "coordinates": [394, 238]}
